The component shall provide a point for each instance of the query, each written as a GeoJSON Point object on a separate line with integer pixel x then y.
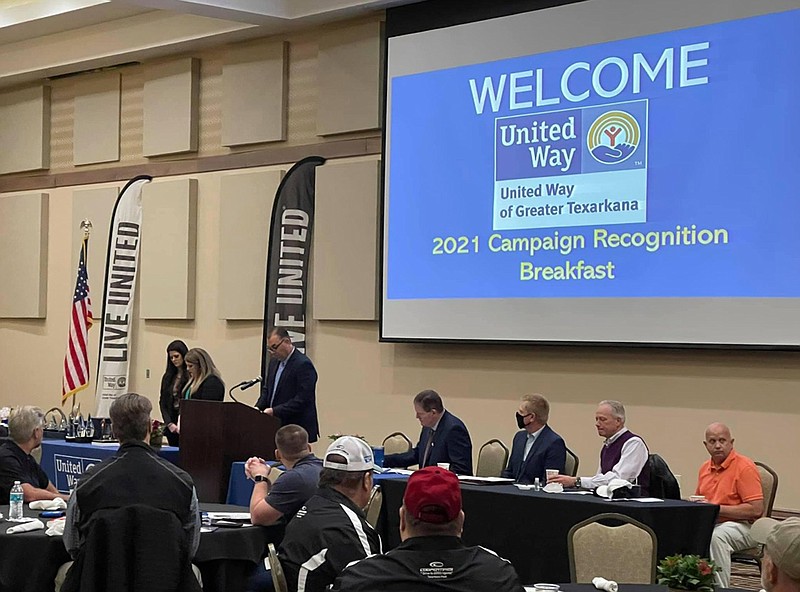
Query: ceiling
{"type": "Point", "coordinates": [44, 38]}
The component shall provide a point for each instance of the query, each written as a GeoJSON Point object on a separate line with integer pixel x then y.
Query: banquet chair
{"type": "Point", "coordinates": [625, 553]}
{"type": "Point", "coordinates": [396, 443]}
{"type": "Point", "coordinates": [663, 483]}
{"type": "Point", "coordinates": [373, 507]}
{"type": "Point", "coordinates": [276, 569]}
{"type": "Point", "coordinates": [492, 459]}
{"type": "Point", "coordinates": [572, 464]}
{"type": "Point", "coordinates": [769, 487]}
{"type": "Point", "coordinates": [136, 548]}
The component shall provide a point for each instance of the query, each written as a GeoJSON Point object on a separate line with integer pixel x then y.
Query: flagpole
{"type": "Point", "coordinates": [86, 227]}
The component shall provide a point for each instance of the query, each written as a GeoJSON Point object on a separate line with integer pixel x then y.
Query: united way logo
{"type": "Point", "coordinates": [613, 137]}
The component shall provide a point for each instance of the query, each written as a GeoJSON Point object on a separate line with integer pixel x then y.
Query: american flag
{"type": "Point", "coordinates": [76, 362]}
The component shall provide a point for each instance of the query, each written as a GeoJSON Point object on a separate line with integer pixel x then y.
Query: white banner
{"type": "Point", "coordinates": [120, 286]}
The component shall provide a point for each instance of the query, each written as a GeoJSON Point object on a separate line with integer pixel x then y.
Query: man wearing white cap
{"type": "Point", "coordinates": [780, 570]}
{"type": "Point", "coordinates": [330, 530]}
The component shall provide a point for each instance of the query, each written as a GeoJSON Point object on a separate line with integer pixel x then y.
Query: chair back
{"type": "Point", "coordinates": [373, 508]}
{"type": "Point", "coordinates": [396, 443]}
{"type": "Point", "coordinates": [625, 553]}
{"type": "Point", "coordinates": [663, 483]}
{"type": "Point", "coordinates": [492, 459]}
{"type": "Point", "coordinates": [769, 486]}
{"type": "Point", "coordinates": [137, 548]}
{"type": "Point", "coordinates": [276, 569]}
{"type": "Point", "coordinates": [571, 466]}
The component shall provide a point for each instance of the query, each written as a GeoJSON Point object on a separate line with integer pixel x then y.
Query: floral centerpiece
{"type": "Point", "coordinates": [687, 572]}
{"type": "Point", "coordinates": [157, 434]}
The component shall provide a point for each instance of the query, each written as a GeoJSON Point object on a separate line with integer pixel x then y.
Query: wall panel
{"type": "Point", "coordinates": [168, 262]}
{"type": "Point", "coordinates": [23, 255]}
{"type": "Point", "coordinates": [25, 129]}
{"type": "Point", "coordinates": [244, 222]}
{"type": "Point", "coordinates": [346, 241]}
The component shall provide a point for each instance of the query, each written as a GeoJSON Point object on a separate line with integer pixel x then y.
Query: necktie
{"type": "Point", "coordinates": [277, 379]}
{"type": "Point", "coordinates": [528, 446]}
{"type": "Point", "coordinates": [428, 446]}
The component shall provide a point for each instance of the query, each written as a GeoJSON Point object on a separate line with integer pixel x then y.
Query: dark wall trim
{"type": "Point", "coordinates": [241, 160]}
{"type": "Point", "coordinates": [437, 14]}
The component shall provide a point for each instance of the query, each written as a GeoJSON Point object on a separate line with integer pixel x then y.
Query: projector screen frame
{"type": "Point", "coordinates": [439, 14]}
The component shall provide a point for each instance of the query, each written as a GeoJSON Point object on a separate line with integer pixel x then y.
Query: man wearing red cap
{"type": "Point", "coordinates": [431, 556]}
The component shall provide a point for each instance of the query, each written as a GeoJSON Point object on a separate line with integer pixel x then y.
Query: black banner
{"type": "Point", "coordinates": [287, 256]}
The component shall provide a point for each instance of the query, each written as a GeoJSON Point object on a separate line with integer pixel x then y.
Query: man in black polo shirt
{"type": "Point", "coordinates": [330, 530]}
{"type": "Point", "coordinates": [26, 429]}
{"type": "Point", "coordinates": [431, 556]}
{"type": "Point", "coordinates": [273, 497]}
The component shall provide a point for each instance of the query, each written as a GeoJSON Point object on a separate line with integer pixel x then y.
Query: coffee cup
{"type": "Point", "coordinates": [697, 498]}
{"type": "Point", "coordinates": [445, 466]}
{"type": "Point", "coordinates": [551, 473]}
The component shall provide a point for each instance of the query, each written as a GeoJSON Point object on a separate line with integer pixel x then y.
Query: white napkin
{"type": "Point", "coordinates": [53, 504]}
{"type": "Point", "coordinates": [56, 527]}
{"type": "Point", "coordinates": [553, 488]}
{"type": "Point", "coordinates": [26, 527]}
{"type": "Point", "coordinates": [604, 584]}
{"type": "Point", "coordinates": [608, 490]}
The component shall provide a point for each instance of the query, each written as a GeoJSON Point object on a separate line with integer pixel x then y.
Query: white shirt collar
{"type": "Point", "coordinates": [611, 440]}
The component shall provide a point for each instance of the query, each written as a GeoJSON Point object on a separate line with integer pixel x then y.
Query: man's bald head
{"type": "Point", "coordinates": [718, 442]}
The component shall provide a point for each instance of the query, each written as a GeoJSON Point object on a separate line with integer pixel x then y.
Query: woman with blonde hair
{"type": "Point", "coordinates": [205, 382]}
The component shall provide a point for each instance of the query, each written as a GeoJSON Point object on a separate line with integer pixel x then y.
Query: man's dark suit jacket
{"type": "Point", "coordinates": [451, 444]}
{"type": "Point", "coordinates": [548, 452]}
{"type": "Point", "coordinates": [295, 398]}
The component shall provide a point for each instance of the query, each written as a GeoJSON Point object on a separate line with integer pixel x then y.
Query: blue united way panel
{"type": "Point", "coordinates": [574, 167]}
{"type": "Point", "coordinates": [658, 166]}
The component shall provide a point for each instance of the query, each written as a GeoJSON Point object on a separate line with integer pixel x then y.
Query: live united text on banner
{"type": "Point", "coordinates": [288, 255]}
{"type": "Point", "coordinates": [118, 298]}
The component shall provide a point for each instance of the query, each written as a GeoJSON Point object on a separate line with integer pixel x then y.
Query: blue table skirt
{"type": "Point", "coordinates": [240, 488]}
{"type": "Point", "coordinates": [65, 462]}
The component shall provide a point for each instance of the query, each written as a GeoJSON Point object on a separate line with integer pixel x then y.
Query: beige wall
{"type": "Point", "coordinates": [366, 386]}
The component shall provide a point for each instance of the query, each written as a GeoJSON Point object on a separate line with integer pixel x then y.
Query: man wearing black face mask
{"type": "Point", "coordinates": [536, 446]}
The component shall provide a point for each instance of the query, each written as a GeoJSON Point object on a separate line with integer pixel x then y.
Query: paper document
{"type": "Point", "coordinates": [482, 480]}
{"type": "Point", "coordinates": [229, 515]}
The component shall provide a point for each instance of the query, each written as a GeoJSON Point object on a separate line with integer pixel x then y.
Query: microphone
{"type": "Point", "coordinates": [245, 384]}
{"type": "Point", "coordinates": [248, 383]}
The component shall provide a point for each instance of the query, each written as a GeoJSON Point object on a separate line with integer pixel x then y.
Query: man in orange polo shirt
{"type": "Point", "coordinates": [731, 481]}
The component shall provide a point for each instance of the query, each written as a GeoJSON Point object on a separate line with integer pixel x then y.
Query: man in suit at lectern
{"type": "Point", "coordinates": [289, 391]}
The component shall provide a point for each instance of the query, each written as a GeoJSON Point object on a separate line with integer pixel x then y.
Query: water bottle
{"type": "Point", "coordinates": [15, 498]}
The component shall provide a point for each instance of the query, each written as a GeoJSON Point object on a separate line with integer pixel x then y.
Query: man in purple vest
{"type": "Point", "coordinates": [624, 454]}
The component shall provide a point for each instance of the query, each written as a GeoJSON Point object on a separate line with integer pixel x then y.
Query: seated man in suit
{"type": "Point", "coordinates": [536, 446]}
{"type": "Point", "coordinates": [26, 427]}
{"type": "Point", "coordinates": [444, 438]}
{"type": "Point", "coordinates": [432, 556]}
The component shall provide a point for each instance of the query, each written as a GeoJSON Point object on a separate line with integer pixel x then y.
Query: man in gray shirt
{"type": "Point", "coordinates": [280, 494]}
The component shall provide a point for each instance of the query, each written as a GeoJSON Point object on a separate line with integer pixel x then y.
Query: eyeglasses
{"type": "Point", "coordinates": [274, 347]}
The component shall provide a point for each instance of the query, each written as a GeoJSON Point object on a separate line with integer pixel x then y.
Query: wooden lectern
{"type": "Point", "coordinates": [216, 434]}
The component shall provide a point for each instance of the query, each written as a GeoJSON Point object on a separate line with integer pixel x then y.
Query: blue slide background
{"type": "Point", "coordinates": [720, 155]}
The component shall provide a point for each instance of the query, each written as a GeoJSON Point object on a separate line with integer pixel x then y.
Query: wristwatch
{"type": "Point", "coordinates": [577, 482]}
{"type": "Point", "coordinates": [261, 479]}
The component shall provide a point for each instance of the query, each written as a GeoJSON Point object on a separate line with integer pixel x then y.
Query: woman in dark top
{"type": "Point", "coordinates": [205, 382]}
{"type": "Point", "coordinates": [173, 383]}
